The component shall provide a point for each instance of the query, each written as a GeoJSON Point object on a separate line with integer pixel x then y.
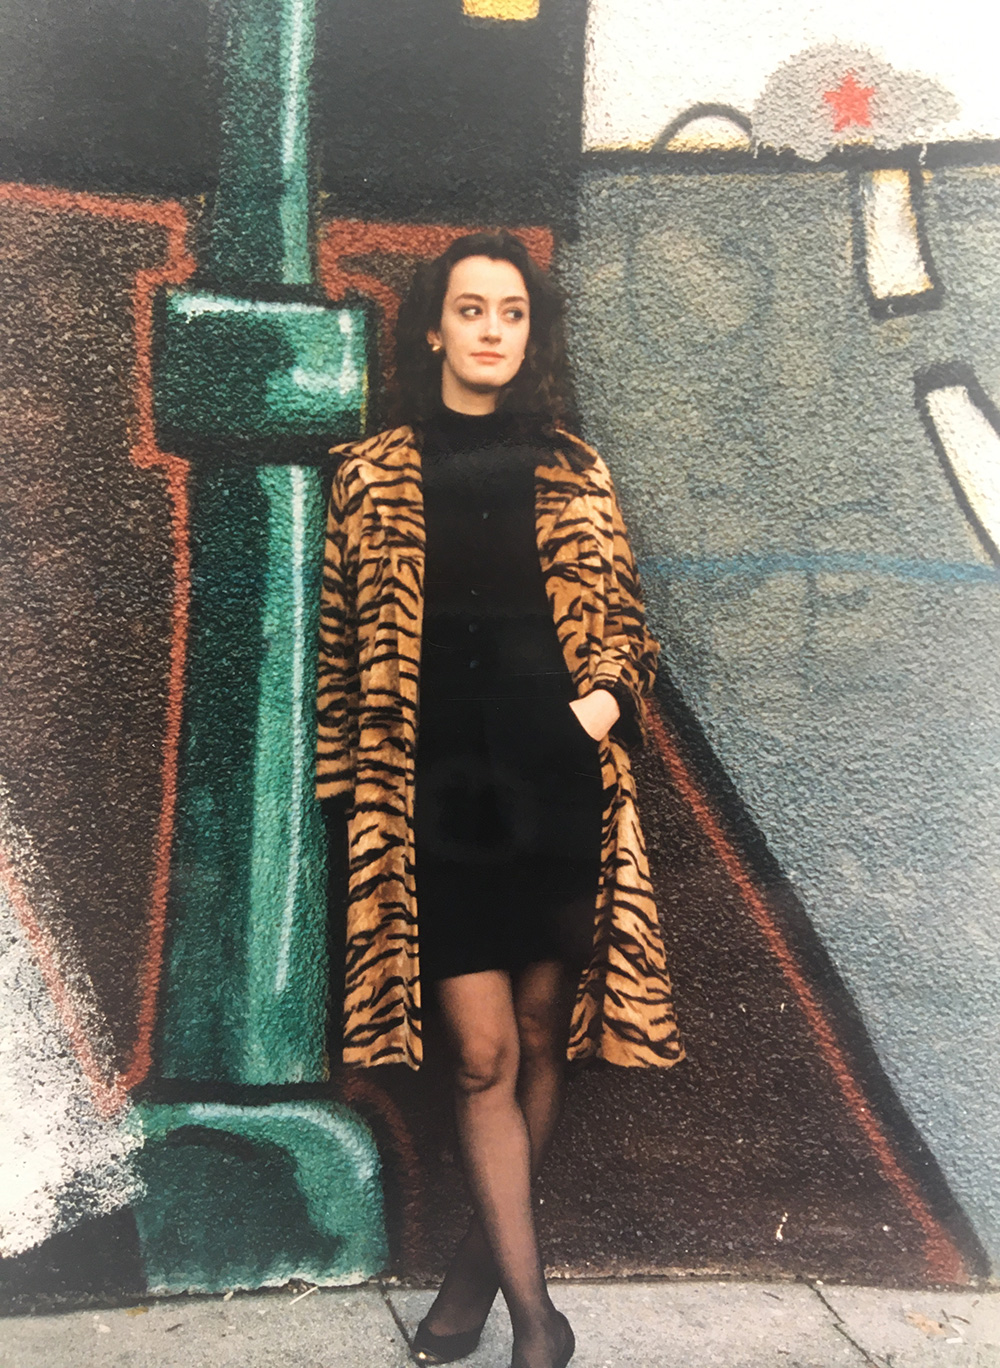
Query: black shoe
{"type": "Point", "coordinates": [429, 1348]}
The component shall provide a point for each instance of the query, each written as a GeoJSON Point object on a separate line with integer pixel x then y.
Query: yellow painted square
{"type": "Point", "coordinates": [501, 9]}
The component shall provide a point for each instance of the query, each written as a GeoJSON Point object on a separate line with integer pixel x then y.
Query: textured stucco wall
{"type": "Point", "coordinates": [828, 614]}
{"type": "Point", "coordinates": [717, 1157]}
{"type": "Point", "coordinates": [826, 609]}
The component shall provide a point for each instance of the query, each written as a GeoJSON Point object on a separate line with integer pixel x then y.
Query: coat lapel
{"type": "Point", "coordinates": [398, 497]}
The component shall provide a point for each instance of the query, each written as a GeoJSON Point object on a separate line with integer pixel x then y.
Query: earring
{"type": "Point", "coordinates": [436, 346]}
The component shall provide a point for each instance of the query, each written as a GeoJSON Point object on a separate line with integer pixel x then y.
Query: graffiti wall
{"type": "Point", "coordinates": [778, 233]}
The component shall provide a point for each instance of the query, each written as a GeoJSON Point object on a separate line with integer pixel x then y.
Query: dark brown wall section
{"type": "Point", "coordinates": [86, 584]}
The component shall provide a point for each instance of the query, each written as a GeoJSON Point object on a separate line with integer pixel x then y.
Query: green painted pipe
{"type": "Point", "coordinates": [247, 379]}
{"type": "Point", "coordinates": [310, 1205]}
{"type": "Point", "coordinates": [250, 367]}
{"type": "Point", "coordinates": [254, 373]}
{"type": "Point", "coordinates": [260, 232]}
{"type": "Point", "coordinates": [246, 994]}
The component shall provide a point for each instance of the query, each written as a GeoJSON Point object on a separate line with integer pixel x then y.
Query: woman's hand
{"type": "Point", "coordinates": [597, 713]}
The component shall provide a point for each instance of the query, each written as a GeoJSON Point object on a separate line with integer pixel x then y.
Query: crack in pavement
{"type": "Point", "coordinates": [840, 1324]}
{"type": "Point", "coordinates": [392, 1312]}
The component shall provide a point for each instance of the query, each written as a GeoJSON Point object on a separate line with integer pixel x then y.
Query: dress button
{"type": "Point", "coordinates": [473, 626]}
{"type": "Point", "coordinates": [473, 664]}
{"type": "Point", "coordinates": [486, 513]}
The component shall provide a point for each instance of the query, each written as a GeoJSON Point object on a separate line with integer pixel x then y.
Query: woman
{"type": "Point", "coordinates": [478, 579]}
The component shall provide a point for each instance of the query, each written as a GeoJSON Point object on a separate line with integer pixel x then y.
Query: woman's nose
{"type": "Point", "coordinates": [491, 325]}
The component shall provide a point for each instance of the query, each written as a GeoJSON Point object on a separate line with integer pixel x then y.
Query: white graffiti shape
{"type": "Point", "coordinates": [60, 1162]}
{"type": "Point", "coordinates": [971, 446]}
{"type": "Point", "coordinates": [894, 256]}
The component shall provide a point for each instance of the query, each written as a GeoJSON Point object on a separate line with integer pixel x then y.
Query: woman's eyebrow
{"type": "Point", "coordinates": [509, 299]}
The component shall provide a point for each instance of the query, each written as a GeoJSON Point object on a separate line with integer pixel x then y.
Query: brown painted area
{"type": "Point", "coordinates": [693, 1168]}
{"type": "Point", "coordinates": [87, 584]}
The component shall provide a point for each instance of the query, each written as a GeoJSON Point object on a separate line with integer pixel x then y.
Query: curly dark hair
{"type": "Point", "coordinates": [541, 391]}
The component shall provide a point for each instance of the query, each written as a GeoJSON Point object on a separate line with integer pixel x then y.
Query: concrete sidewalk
{"type": "Point", "coordinates": [696, 1324]}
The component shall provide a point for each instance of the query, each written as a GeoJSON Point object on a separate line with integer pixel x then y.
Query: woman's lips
{"type": "Point", "coordinates": [487, 356]}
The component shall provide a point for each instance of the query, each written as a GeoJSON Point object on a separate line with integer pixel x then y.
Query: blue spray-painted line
{"type": "Point", "coordinates": [783, 562]}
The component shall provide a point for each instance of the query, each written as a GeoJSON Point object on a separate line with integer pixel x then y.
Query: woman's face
{"type": "Point", "coordinates": [485, 322]}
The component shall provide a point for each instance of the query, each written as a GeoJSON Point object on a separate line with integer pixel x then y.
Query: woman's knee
{"type": "Point", "coordinates": [541, 1035]}
{"type": "Point", "coordinates": [485, 1064]}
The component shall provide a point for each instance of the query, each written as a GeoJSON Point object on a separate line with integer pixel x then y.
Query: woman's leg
{"type": "Point", "coordinates": [541, 1003]}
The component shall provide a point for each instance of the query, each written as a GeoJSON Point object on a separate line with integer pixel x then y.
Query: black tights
{"type": "Point", "coordinates": [509, 1039]}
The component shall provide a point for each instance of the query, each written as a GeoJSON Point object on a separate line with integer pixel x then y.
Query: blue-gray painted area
{"type": "Point", "coordinates": [757, 567]}
{"type": "Point", "coordinates": [825, 607]}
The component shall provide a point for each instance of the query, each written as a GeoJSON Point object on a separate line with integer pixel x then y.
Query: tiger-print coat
{"type": "Point", "coordinates": [369, 673]}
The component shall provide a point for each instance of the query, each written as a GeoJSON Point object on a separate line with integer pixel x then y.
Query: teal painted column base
{"type": "Point", "coordinates": [244, 1197]}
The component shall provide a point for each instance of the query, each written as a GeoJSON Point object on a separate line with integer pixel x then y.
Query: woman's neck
{"type": "Point", "coordinates": [448, 412]}
{"type": "Point", "coordinates": [461, 399]}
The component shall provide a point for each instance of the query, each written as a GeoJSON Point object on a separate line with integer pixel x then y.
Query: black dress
{"type": "Point", "coordinates": [508, 797]}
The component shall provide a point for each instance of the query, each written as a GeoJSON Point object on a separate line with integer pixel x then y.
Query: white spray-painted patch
{"type": "Point", "coordinates": [894, 258]}
{"type": "Point", "coordinates": [972, 446]}
{"type": "Point", "coordinates": [60, 1161]}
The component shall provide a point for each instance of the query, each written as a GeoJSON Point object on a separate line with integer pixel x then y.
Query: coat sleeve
{"type": "Point", "coordinates": [337, 676]}
{"type": "Point", "coordinates": [627, 664]}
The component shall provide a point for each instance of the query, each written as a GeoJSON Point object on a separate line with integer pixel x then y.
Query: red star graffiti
{"type": "Point", "coordinates": [849, 103]}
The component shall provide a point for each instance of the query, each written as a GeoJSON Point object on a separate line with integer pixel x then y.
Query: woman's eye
{"type": "Point", "coordinates": [469, 310]}
{"type": "Point", "coordinates": [515, 315]}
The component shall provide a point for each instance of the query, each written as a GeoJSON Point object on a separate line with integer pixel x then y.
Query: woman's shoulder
{"type": "Point", "coordinates": [393, 448]}
{"type": "Point", "coordinates": [377, 446]}
{"type": "Point", "coordinates": [581, 457]}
